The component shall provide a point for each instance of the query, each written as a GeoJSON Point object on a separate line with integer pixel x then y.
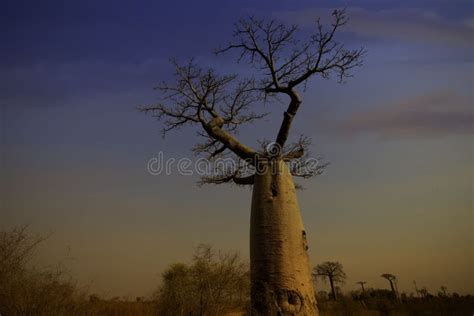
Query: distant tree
{"type": "Point", "coordinates": [332, 271]}
{"type": "Point", "coordinates": [361, 283]}
{"type": "Point", "coordinates": [26, 289]}
{"type": "Point", "coordinates": [391, 279]}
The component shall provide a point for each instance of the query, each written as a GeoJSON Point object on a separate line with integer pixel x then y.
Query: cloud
{"type": "Point", "coordinates": [413, 25]}
{"type": "Point", "coordinates": [435, 114]}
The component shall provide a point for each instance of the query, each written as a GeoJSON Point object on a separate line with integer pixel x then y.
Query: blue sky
{"type": "Point", "coordinates": [397, 197]}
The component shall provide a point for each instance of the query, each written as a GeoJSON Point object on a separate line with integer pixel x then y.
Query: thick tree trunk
{"type": "Point", "coordinates": [394, 292]}
{"type": "Point", "coordinates": [279, 263]}
{"type": "Point", "coordinates": [391, 286]}
{"type": "Point", "coordinates": [333, 290]}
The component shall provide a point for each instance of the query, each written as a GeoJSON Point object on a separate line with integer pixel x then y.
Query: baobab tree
{"type": "Point", "coordinates": [361, 283]}
{"type": "Point", "coordinates": [392, 279]}
{"type": "Point", "coordinates": [332, 271]}
{"type": "Point", "coordinates": [218, 105]}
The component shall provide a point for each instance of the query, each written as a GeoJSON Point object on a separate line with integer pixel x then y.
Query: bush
{"type": "Point", "coordinates": [27, 290]}
{"type": "Point", "coordinates": [211, 285]}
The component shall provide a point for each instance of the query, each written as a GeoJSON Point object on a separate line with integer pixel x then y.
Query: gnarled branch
{"type": "Point", "coordinates": [219, 104]}
{"type": "Point", "coordinates": [287, 63]}
{"type": "Point", "coordinates": [239, 174]}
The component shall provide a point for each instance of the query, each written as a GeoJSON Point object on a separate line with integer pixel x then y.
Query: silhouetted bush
{"type": "Point", "coordinates": [26, 289]}
{"type": "Point", "coordinates": [29, 290]}
{"type": "Point", "coordinates": [211, 285]}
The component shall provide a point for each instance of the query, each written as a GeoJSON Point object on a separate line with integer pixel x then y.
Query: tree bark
{"type": "Point", "coordinates": [279, 264]}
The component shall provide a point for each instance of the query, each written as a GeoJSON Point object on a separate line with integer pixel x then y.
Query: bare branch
{"type": "Point", "coordinates": [297, 149]}
{"type": "Point", "coordinates": [287, 63]}
{"type": "Point", "coordinates": [219, 104]}
{"type": "Point", "coordinates": [307, 168]}
{"type": "Point", "coordinates": [238, 176]}
{"type": "Point", "coordinates": [248, 180]}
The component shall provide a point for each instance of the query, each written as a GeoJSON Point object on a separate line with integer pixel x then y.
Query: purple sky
{"type": "Point", "coordinates": [397, 197]}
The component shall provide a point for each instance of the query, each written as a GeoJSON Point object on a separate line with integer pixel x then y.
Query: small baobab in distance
{"type": "Point", "coordinates": [333, 272]}
{"type": "Point", "coordinates": [219, 104]}
{"type": "Point", "coordinates": [362, 283]}
{"type": "Point", "coordinates": [392, 279]}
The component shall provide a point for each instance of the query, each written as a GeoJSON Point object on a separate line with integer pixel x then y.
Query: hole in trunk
{"type": "Point", "coordinates": [305, 241]}
{"type": "Point", "coordinates": [274, 191]}
{"type": "Point", "coordinates": [274, 187]}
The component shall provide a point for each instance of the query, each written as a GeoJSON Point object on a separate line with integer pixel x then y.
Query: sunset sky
{"type": "Point", "coordinates": [396, 198]}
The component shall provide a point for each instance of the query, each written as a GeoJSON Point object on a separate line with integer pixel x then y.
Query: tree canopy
{"type": "Point", "coordinates": [220, 104]}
